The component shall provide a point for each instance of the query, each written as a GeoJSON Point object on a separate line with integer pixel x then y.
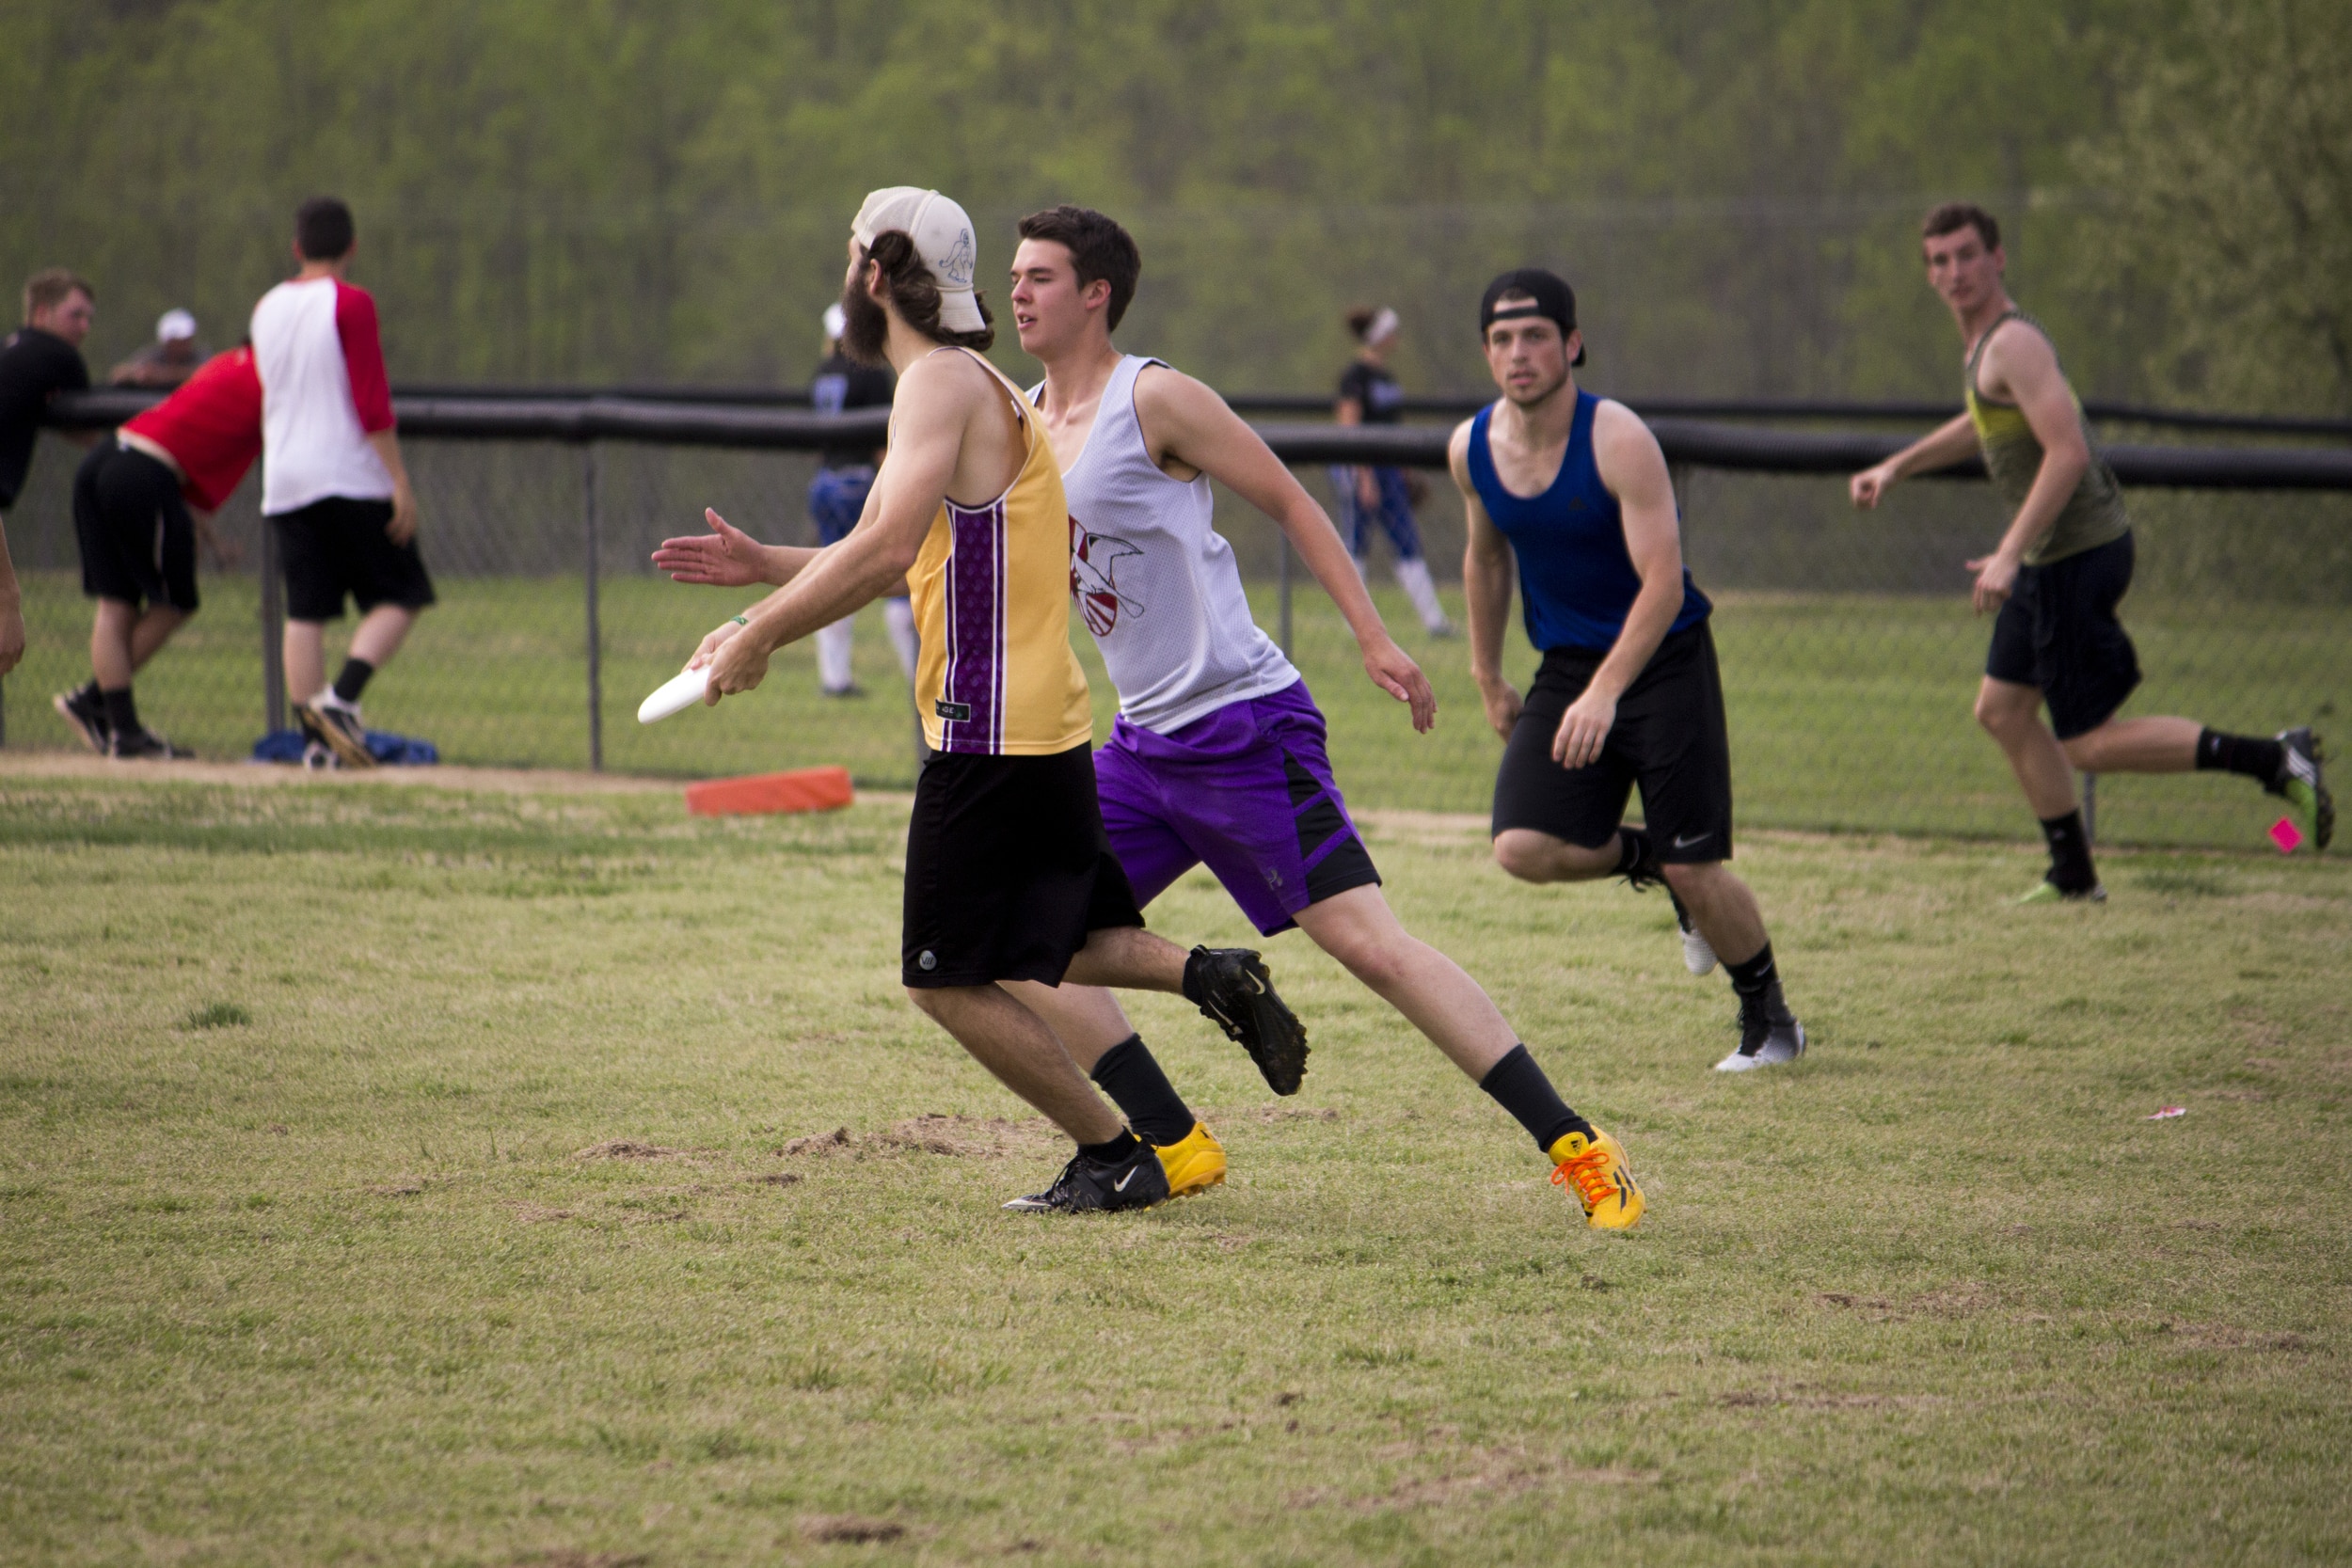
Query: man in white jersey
{"type": "Point", "coordinates": [1217, 755]}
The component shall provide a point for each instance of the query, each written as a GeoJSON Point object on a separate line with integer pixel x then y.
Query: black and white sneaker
{"type": "Point", "coordinates": [1237, 995]}
{"type": "Point", "coordinates": [86, 710]}
{"type": "Point", "coordinates": [335, 723]}
{"type": "Point", "coordinates": [1085, 1185]}
{"type": "Point", "coordinates": [2303, 781]}
{"type": "Point", "coordinates": [141, 745]}
{"type": "Point", "coordinates": [1769, 1034]}
{"type": "Point", "coordinates": [1698, 954]}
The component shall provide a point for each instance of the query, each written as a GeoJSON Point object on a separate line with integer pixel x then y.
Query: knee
{"type": "Point", "coordinates": [2002, 715]}
{"type": "Point", "coordinates": [926, 1002]}
{"type": "Point", "coordinates": [1378, 965]}
{"type": "Point", "coordinates": [1522, 855]}
{"type": "Point", "coordinates": [1692, 883]}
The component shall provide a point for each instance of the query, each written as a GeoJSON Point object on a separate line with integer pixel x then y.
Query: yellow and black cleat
{"type": "Point", "coordinates": [1194, 1163]}
{"type": "Point", "coordinates": [1598, 1172]}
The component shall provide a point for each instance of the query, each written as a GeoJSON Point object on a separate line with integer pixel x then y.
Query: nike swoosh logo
{"type": "Point", "coordinates": [1685, 843]}
{"type": "Point", "coordinates": [1121, 1185]}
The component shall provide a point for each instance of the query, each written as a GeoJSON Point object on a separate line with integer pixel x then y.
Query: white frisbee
{"type": "Point", "coordinates": [679, 692]}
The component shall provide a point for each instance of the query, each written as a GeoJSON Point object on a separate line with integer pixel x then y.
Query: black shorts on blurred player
{"type": "Point", "coordinates": [136, 540]}
{"type": "Point", "coordinates": [338, 546]}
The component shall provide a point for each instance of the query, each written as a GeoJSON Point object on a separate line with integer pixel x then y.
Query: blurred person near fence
{"type": "Point", "coordinates": [166, 362]}
{"type": "Point", "coordinates": [334, 490]}
{"type": "Point", "coordinates": [142, 502]}
{"type": "Point", "coordinates": [836, 498]}
{"type": "Point", "coordinates": [38, 361]}
{"type": "Point", "coordinates": [2053, 582]}
{"type": "Point", "coordinates": [1368, 496]}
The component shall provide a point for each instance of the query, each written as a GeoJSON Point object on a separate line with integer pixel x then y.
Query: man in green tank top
{"type": "Point", "coordinates": [2054, 580]}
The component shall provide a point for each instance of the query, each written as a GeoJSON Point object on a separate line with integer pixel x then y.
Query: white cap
{"type": "Point", "coordinates": [942, 238]}
{"type": "Point", "coordinates": [173, 325]}
{"type": "Point", "coordinates": [836, 322]}
{"type": "Point", "coordinates": [1381, 327]}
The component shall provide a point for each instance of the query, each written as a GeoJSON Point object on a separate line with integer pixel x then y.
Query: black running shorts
{"type": "Point", "coordinates": [136, 539]}
{"type": "Point", "coordinates": [2059, 631]}
{"type": "Point", "coordinates": [1007, 869]}
{"type": "Point", "coordinates": [338, 546]}
{"type": "Point", "coordinates": [1669, 741]}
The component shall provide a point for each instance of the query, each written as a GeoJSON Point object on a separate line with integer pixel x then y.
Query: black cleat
{"type": "Point", "coordinates": [1138, 1181]}
{"type": "Point", "coordinates": [1237, 995]}
{"type": "Point", "coordinates": [2303, 781]}
{"type": "Point", "coordinates": [335, 724]}
{"type": "Point", "coordinates": [86, 710]}
{"type": "Point", "coordinates": [142, 745]}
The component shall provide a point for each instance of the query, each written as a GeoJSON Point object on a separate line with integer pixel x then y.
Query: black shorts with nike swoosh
{"type": "Point", "coordinates": [1669, 740]}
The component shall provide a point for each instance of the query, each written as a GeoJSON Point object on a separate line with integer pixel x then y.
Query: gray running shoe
{"type": "Point", "coordinates": [2303, 781]}
{"type": "Point", "coordinates": [1769, 1034]}
{"type": "Point", "coordinates": [1698, 954]}
{"type": "Point", "coordinates": [335, 723]}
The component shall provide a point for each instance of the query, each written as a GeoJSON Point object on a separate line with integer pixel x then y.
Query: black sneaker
{"type": "Point", "coordinates": [1237, 995]}
{"type": "Point", "coordinates": [335, 724]}
{"type": "Point", "coordinates": [1138, 1181]}
{"type": "Point", "coordinates": [141, 745]}
{"type": "Point", "coordinates": [2302, 781]}
{"type": "Point", "coordinates": [1769, 1034]}
{"type": "Point", "coordinates": [86, 710]}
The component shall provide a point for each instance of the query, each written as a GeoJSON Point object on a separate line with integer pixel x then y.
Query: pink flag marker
{"type": "Point", "coordinates": [2167, 1112]}
{"type": "Point", "coordinates": [2287, 835]}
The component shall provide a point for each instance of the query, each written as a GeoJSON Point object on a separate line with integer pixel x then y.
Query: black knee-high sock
{"type": "Point", "coordinates": [123, 714]}
{"type": "Point", "coordinates": [1520, 1086]}
{"type": "Point", "coordinates": [1112, 1152]}
{"type": "Point", "coordinates": [2247, 754]}
{"type": "Point", "coordinates": [1754, 976]}
{"type": "Point", "coordinates": [353, 679]}
{"type": "Point", "coordinates": [1634, 852]}
{"type": "Point", "coordinates": [1133, 1079]}
{"type": "Point", "coordinates": [2069, 853]}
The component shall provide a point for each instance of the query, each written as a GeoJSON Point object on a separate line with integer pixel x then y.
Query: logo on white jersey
{"type": "Point", "coordinates": [1094, 578]}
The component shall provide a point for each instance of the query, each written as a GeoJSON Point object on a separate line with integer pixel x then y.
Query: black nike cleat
{"type": "Point", "coordinates": [1138, 1181]}
{"type": "Point", "coordinates": [1237, 995]}
{"type": "Point", "coordinates": [142, 745]}
{"type": "Point", "coordinates": [82, 708]}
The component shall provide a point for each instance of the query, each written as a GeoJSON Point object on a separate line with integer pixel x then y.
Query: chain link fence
{"type": "Point", "coordinates": [1849, 654]}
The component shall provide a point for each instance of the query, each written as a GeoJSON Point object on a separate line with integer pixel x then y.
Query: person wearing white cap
{"type": "Point", "coordinates": [1010, 875]}
{"type": "Point", "coordinates": [1366, 495]}
{"type": "Point", "coordinates": [168, 361]}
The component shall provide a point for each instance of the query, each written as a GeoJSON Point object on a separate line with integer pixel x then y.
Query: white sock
{"type": "Point", "coordinates": [833, 654]}
{"type": "Point", "coordinates": [899, 621]}
{"type": "Point", "coordinates": [1413, 577]}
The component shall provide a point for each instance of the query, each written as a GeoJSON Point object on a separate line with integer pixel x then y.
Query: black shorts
{"type": "Point", "coordinates": [2058, 632]}
{"type": "Point", "coordinates": [336, 546]}
{"type": "Point", "coordinates": [1669, 738]}
{"type": "Point", "coordinates": [136, 540]}
{"type": "Point", "coordinates": [1007, 869]}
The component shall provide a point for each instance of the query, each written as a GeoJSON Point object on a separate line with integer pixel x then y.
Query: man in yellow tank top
{"type": "Point", "coordinates": [2054, 580]}
{"type": "Point", "coordinates": [1010, 875]}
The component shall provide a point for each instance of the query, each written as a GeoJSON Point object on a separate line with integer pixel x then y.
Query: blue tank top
{"type": "Point", "coordinates": [1576, 579]}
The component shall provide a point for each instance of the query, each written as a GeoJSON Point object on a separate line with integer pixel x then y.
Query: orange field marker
{"type": "Point", "coordinates": [803, 789]}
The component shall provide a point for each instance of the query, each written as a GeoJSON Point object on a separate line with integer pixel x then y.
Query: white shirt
{"type": "Point", "coordinates": [323, 391]}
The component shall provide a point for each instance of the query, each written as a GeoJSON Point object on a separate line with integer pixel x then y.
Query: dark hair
{"type": "Point", "coordinates": [1099, 249]}
{"type": "Point", "coordinates": [52, 286]}
{"type": "Point", "coordinates": [322, 229]}
{"type": "Point", "coordinates": [907, 278]}
{"type": "Point", "coordinates": [1953, 216]}
{"type": "Point", "coordinates": [1360, 320]}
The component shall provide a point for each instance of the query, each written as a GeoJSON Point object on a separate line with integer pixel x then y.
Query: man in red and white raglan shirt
{"type": "Point", "coordinates": [333, 486]}
{"type": "Point", "coordinates": [141, 500]}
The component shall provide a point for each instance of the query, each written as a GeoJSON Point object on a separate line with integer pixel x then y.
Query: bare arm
{"type": "Point", "coordinates": [1486, 586]}
{"type": "Point", "coordinates": [2021, 363]}
{"type": "Point", "coordinates": [11, 610]}
{"type": "Point", "coordinates": [402, 527]}
{"type": "Point", "coordinates": [1953, 441]}
{"type": "Point", "coordinates": [1186, 422]}
{"type": "Point", "coordinates": [1635, 472]}
{"type": "Point", "coordinates": [727, 557]}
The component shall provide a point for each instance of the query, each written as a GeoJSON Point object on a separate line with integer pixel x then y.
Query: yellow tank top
{"type": "Point", "coordinates": [2092, 515]}
{"type": "Point", "coordinates": [991, 590]}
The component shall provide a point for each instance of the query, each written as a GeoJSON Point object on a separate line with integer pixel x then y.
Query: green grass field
{"type": "Point", "coordinates": [399, 1175]}
{"type": "Point", "coordinates": [1847, 711]}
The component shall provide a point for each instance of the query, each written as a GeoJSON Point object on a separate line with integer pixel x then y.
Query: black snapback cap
{"type": "Point", "coordinates": [1547, 294]}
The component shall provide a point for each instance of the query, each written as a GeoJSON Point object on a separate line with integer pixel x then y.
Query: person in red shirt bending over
{"type": "Point", "coordinates": [141, 500]}
{"type": "Point", "coordinates": [333, 487]}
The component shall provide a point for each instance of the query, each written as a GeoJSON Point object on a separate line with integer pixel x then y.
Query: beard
{"type": "Point", "coordinates": [865, 326]}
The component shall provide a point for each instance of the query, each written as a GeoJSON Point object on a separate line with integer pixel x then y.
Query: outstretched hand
{"type": "Point", "coordinates": [1869, 488]}
{"type": "Point", "coordinates": [1393, 671]}
{"type": "Point", "coordinates": [727, 557]}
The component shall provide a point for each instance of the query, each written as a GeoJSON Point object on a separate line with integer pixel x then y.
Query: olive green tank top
{"type": "Point", "coordinates": [2092, 515]}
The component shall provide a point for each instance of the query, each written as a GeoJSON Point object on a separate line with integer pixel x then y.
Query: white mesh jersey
{"type": "Point", "coordinates": [1157, 584]}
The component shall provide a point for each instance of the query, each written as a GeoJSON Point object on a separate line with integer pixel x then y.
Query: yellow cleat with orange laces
{"type": "Point", "coordinates": [1194, 1163]}
{"type": "Point", "coordinates": [1598, 1172]}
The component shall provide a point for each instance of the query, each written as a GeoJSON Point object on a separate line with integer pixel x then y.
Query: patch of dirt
{"type": "Point", "coordinates": [819, 1142]}
{"type": "Point", "coordinates": [958, 1137]}
{"type": "Point", "coordinates": [2223, 1336]}
{"type": "Point", "coordinates": [1798, 1396]}
{"type": "Point", "coordinates": [1280, 1113]}
{"type": "Point", "coordinates": [279, 1128]}
{"type": "Point", "coordinates": [775, 1179]}
{"type": "Point", "coordinates": [502, 780]}
{"type": "Point", "coordinates": [530, 1213]}
{"type": "Point", "coordinates": [400, 1186]}
{"type": "Point", "coordinates": [852, 1527]}
{"type": "Point", "coordinates": [1489, 1475]}
{"type": "Point", "coordinates": [627, 1148]}
{"type": "Point", "coordinates": [1964, 1299]}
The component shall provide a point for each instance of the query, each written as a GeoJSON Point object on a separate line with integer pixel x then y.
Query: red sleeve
{"type": "Point", "coordinates": [363, 357]}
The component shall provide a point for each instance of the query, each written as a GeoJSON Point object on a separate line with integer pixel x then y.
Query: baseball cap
{"type": "Point", "coordinates": [836, 321]}
{"type": "Point", "coordinates": [1547, 294]}
{"type": "Point", "coordinates": [942, 238]}
{"type": "Point", "coordinates": [173, 325]}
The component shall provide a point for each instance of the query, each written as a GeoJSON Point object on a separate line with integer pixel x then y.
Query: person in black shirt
{"type": "Point", "coordinates": [836, 498]}
{"type": "Point", "coordinates": [1369, 395]}
{"type": "Point", "coordinates": [36, 362]}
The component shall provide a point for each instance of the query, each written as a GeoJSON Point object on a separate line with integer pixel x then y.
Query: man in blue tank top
{"type": "Point", "coordinates": [1574, 489]}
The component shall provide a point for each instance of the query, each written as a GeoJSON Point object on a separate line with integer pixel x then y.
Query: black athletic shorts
{"type": "Point", "coordinates": [136, 539]}
{"type": "Point", "coordinates": [2058, 632]}
{"type": "Point", "coordinates": [337, 547]}
{"type": "Point", "coordinates": [1007, 869]}
{"type": "Point", "coordinates": [1669, 740]}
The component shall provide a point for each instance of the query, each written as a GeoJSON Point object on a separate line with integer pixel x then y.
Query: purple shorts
{"type": "Point", "coordinates": [1248, 792]}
